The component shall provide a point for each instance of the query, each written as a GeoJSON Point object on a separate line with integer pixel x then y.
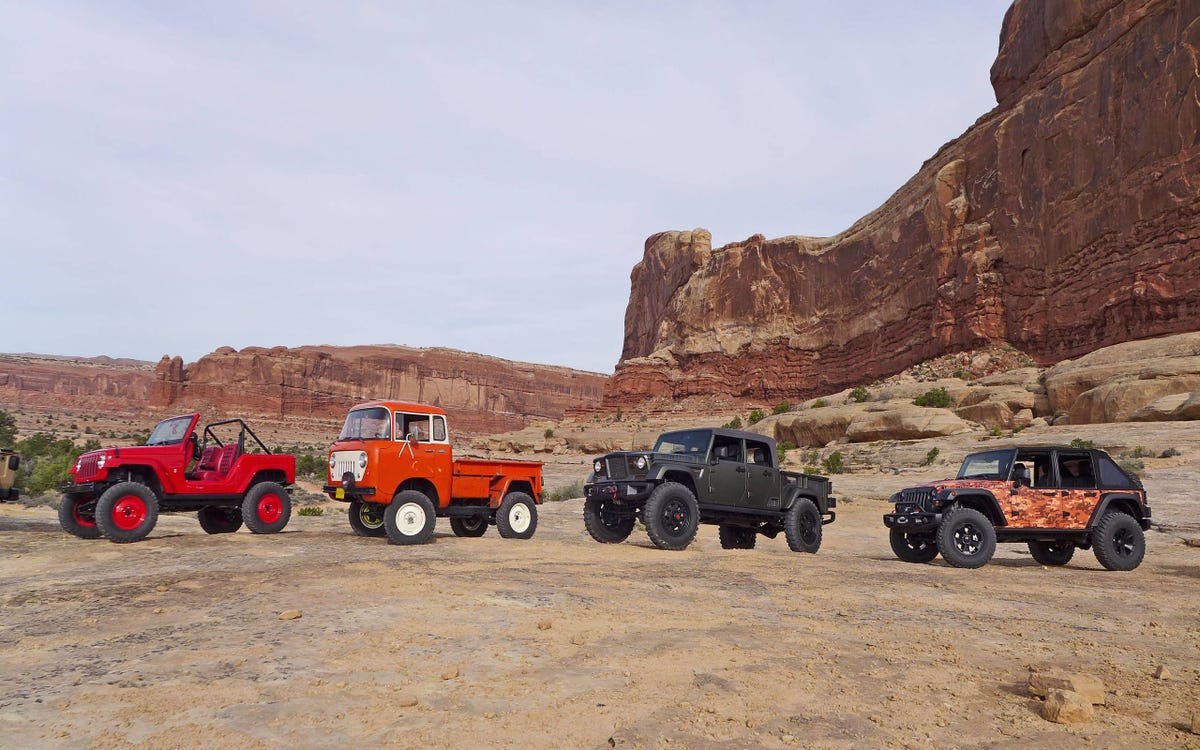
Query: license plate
{"type": "Point", "coordinates": [340, 493]}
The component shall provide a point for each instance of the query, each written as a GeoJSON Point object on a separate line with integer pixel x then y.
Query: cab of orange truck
{"type": "Point", "coordinates": [393, 463]}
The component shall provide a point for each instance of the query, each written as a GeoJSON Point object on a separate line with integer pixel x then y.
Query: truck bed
{"type": "Point", "coordinates": [483, 478]}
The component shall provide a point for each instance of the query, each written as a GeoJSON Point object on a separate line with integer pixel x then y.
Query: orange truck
{"type": "Point", "coordinates": [393, 463]}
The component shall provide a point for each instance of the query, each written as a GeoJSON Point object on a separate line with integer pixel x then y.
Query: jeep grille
{"type": "Point", "coordinates": [920, 498]}
{"type": "Point", "coordinates": [89, 466]}
{"type": "Point", "coordinates": [618, 468]}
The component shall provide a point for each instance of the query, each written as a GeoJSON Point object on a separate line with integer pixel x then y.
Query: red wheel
{"type": "Point", "coordinates": [76, 514]}
{"type": "Point", "coordinates": [266, 508]}
{"type": "Point", "coordinates": [270, 508]}
{"type": "Point", "coordinates": [127, 512]}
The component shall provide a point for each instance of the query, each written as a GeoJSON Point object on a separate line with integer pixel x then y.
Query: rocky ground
{"type": "Point", "coordinates": [556, 642]}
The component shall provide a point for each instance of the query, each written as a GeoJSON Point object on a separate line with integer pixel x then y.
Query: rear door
{"type": "Point", "coordinates": [1078, 493]}
{"type": "Point", "coordinates": [762, 477]}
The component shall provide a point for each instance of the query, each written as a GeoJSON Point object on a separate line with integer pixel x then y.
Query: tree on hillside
{"type": "Point", "coordinates": [8, 430]}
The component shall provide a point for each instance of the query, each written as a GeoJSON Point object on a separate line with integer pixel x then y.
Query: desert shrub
{"type": "Point", "coordinates": [783, 448]}
{"type": "Point", "coordinates": [733, 424]}
{"type": "Point", "coordinates": [755, 417]}
{"type": "Point", "coordinates": [1169, 452]}
{"type": "Point", "coordinates": [549, 433]}
{"type": "Point", "coordinates": [1141, 452]}
{"type": "Point", "coordinates": [934, 397]}
{"type": "Point", "coordinates": [311, 510]}
{"type": "Point", "coordinates": [813, 457]}
{"type": "Point", "coordinates": [1132, 467]}
{"type": "Point", "coordinates": [995, 432]}
{"type": "Point", "coordinates": [833, 463]}
{"type": "Point", "coordinates": [860, 394]}
{"type": "Point", "coordinates": [820, 403]}
{"type": "Point", "coordinates": [1081, 443]}
{"type": "Point", "coordinates": [566, 492]}
{"type": "Point", "coordinates": [46, 460]}
{"type": "Point", "coordinates": [782, 407]}
{"type": "Point", "coordinates": [312, 465]}
{"type": "Point", "coordinates": [962, 374]}
{"type": "Point", "coordinates": [930, 457]}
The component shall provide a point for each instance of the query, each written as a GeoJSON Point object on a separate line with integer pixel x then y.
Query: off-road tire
{"type": "Point", "coordinates": [469, 527]}
{"type": "Point", "coordinates": [267, 508]}
{"type": "Point", "coordinates": [1118, 541]}
{"type": "Point", "coordinates": [802, 526]}
{"type": "Point", "coordinates": [73, 521]}
{"type": "Point", "coordinates": [516, 518]}
{"type": "Point", "coordinates": [602, 524]}
{"type": "Point", "coordinates": [410, 518]}
{"type": "Point", "coordinates": [671, 516]}
{"type": "Point", "coordinates": [966, 538]}
{"type": "Point", "coordinates": [366, 519]}
{"type": "Point", "coordinates": [913, 548]}
{"type": "Point", "coordinates": [1052, 553]}
{"type": "Point", "coordinates": [736, 537]}
{"type": "Point", "coordinates": [126, 512]}
{"type": "Point", "coordinates": [217, 520]}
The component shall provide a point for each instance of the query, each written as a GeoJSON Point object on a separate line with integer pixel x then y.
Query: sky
{"type": "Point", "coordinates": [177, 177]}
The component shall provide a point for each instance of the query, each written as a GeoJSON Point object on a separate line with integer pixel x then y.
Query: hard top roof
{"type": "Point", "coordinates": [403, 406]}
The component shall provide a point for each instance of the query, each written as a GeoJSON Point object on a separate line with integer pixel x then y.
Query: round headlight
{"type": "Point", "coordinates": [362, 460]}
{"type": "Point", "coordinates": [332, 463]}
{"type": "Point", "coordinates": [599, 467]}
{"type": "Point", "coordinates": [641, 462]}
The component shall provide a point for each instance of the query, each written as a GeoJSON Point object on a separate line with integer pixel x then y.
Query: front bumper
{"type": "Point", "coordinates": [913, 522]}
{"type": "Point", "coordinates": [347, 491]}
{"type": "Point", "coordinates": [620, 493]}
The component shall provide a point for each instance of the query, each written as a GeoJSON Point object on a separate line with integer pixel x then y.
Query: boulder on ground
{"type": "Point", "coordinates": [1091, 688]}
{"type": "Point", "coordinates": [1066, 707]}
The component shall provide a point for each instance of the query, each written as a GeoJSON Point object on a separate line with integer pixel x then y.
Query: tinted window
{"type": "Point", "coordinates": [1111, 474]}
{"type": "Point", "coordinates": [690, 442]}
{"type": "Point", "coordinates": [758, 453]}
{"type": "Point", "coordinates": [1075, 471]}
{"type": "Point", "coordinates": [986, 465]}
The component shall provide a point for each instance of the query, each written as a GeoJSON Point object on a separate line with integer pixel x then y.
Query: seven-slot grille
{"type": "Point", "coordinates": [88, 466]}
{"type": "Point", "coordinates": [915, 500]}
{"type": "Point", "coordinates": [618, 468]}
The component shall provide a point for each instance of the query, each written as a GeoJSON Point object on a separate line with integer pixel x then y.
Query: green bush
{"type": "Point", "coordinates": [1169, 452]}
{"type": "Point", "coordinates": [1132, 467]}
{"type": "Point", "coordinates": [995, 432]}
{"type": "Point", "coordinates": [1081, 443]}
{"type": "Point", "coordinates": [311, 510]}
{"type": "Point", "coordinates": [820, 403]}
{"type": "Point", "coordinates": [549, 433]}
{"type": "Point", "coordinates": [833, 464]}
{"type": "Point", "coordinates": [733, 424]}
{"type": "Point", "coordinates": [782, 407]}
{"type": "Point", "coordinates": [783, 448]}
{"type": "Point", "coordinates": [930, 457]}
{"type": "Point", "coordinates": [755, 416]}
{"type": "Point", "coordinates": [312, 465]}
{"type": "Point", "coordinates": [860, 394]}
{"type": "Point", "coordinates": [46, 461]}
{"type": "Point", "coordinates": [934, 397]}
{"type": "Point", "coordinates": [567, 492]}
{"type": "Point", "coordinates": [813, 457]}
{"type": "Point", "coordinates": [1140, 452]}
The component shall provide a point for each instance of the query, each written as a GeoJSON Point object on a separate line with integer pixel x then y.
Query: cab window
{"type": "Point", "coordinates": [758, 453]}
{"type": "Point", "coordinates": [439, 429]}
{"type": "Point", "coordinates": [727, 448]}
{"type": "Point", "coordinates": [1033, 469]}
{"type": "Point", "coordinates": [1075, 471]}
{"type": "Point", "coordinates": [413, 426]}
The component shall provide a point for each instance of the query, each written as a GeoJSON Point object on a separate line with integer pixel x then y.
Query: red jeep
{"type": "Point", "coordinates": [227, 475]}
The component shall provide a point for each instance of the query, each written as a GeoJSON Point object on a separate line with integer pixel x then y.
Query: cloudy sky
{"type": "Point", "coordinates": [176, 177]}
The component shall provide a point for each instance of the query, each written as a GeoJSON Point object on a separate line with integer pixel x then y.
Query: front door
{"type": "Point", "coordinates": [727, 472]}
{"type": "Point", "coordinates": [1033, 501]}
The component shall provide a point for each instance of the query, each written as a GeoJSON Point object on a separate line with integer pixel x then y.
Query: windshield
{"type": "Point", "coordinates": [170, 431]}
{"type": "Point", "coordinates": [372, 423]}
{"type": "Point", "coordinates": [689, 442]}
{"type": "Point", "coordinates": [987, 465]}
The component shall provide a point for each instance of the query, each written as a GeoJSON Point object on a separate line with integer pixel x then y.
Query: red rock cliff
{"type": "Point", "coordinates": [482, 394]}
{"type": "Point", "coordinates": [67, 383]}
{"type": "Point", "coordinates": [1066, 219]}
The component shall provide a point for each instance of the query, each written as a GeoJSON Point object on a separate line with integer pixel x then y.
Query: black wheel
{"type": "Point", "coordinates": [473, 526]}
{"type": "Point", "coordinates": [77, 515]}
{"type": "Point", "coordinates": [267, 508]}
{"type": "Point", "coordinates": [966, 538]}
{"type": "Point", "coordinates": [1052, 553]}
{"type": "Point", "coordinates": [516, 518]}
{"type": "Point", "coordinates": [603, 524]}
{"type": "Point", "coordinates": [802, 526]}
{"type": "Point", "coordinates": [1119, 542]}
{"type": "Point", "coordinates": [736, 537]}
{"type": "Point", "coordinates": [913, 548]}
{"type": "Point", "coordinates": [126, 512]}
{"type": "Point", "coordinates": [367, 518]}
{"type": "Point", "coordinates": [671, 516]}
{"type": "Point", "coordinates": [216, 520]}
{"type": "Point", "coordinates": [410, 517]}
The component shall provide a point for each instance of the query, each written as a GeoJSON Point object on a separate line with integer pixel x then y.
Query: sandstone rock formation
{"type": "Point", "coordinates": [482, 394]}
{"type": "Point", "coordinates": [48, 382]}
{"type": "Point", "coordinates": [1064, 220]}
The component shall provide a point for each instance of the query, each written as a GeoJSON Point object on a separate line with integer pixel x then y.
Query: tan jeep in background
{"type": "Point", "coordinates": [9, 463]}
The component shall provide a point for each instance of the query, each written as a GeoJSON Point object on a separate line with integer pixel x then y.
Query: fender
{"type": "Point", "coordinates": [981, 500]}
{"type": "Point", "coordinates": [1126, 501]}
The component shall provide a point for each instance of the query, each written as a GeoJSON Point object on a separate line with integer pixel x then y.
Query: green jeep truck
{"type": "Point", "coordinates": [710, 475]}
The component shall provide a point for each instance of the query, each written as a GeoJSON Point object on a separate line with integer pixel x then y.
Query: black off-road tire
{"type": "Point", "coordinates": [966, 538]}
{"type": "Point", "coordinates": [602, 524]}
{"type": "Point", "coordinates": [802, 526]}
{"type": "Point", "coordinates": [366, 519]}
{"type": "Point", "coordinates": [77, 515]}
{"type": "Point", "coordinates": [126, 512]}
{"type": "Point", "coordinates": [736, 537]}
{"type": "Point", "coordinates": [470, 527]}
{"type": "Point", "coordinates": [410, 518]}
{"type": "Point", "coordinates": [516, 518]}
{"type": "Point", "coordinates": [1119, 542]}
{"type": "Point", "coordinates": [913, 548]}
{"type": "Point", "coordinates": [672, 516]}
{"type": "Point", "coordinates": [217, 520]}
{"type": "Point", "coordinates": [267, 508]}
{"type": "Point", "coordinates": [1052, 553]}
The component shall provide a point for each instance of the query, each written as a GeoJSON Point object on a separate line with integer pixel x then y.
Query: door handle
{"type": "Point", "coordinates": [1051, 493]}
{"type": "Point", "coordinates": [740, 470]}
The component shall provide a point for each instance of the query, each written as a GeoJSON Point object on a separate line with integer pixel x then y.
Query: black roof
{"type": "Point", "coordinates": [725, 432]}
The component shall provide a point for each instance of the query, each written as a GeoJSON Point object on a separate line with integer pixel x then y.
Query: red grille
{"type": "Point", "coordinates": [88, 466]}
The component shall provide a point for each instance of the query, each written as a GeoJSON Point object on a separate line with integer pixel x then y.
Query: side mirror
{"type": "Point", "coordinates": [713, 460]}
{"type": "Point", "coordinates": [14, 462]}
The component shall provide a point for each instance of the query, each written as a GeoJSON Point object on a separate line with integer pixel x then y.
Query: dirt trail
{"type": "Point", "coordinates": [560, 642]}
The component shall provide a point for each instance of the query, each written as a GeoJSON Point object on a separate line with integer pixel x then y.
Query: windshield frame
{"type": "Point", "coordinates": [357, 417]}
{"type": "Point", "coordinates": [1004, 458]}
{"type": "Point", "coordinates": [702, 445]}
{"type": "Point", "coordinates": [168, 427]}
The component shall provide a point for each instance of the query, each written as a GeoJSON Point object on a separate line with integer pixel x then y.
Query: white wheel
{"type": "Point", "coordinates": [516, 518]}
{"type": "Point", "coordinates": [519, 518]}
{"type": "Point", "coordinates": [410, 519]}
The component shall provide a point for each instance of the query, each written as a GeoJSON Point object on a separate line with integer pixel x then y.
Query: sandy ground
{"type": "Point", "coordinates": [560, 642]}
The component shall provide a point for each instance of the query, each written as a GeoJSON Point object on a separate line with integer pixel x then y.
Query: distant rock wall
{"type": "Point", "coordinates": [1065, 220]}
{"type": "Point", "coordinates": [73, 384]}
{"type": "Point", "coordinates": [483, 394]}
